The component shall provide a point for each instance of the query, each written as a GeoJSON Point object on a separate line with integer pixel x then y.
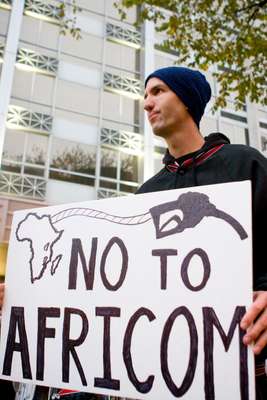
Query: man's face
{"type": "Point", "coordinates": [166, 112]}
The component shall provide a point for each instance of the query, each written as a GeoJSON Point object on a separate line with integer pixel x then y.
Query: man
{"type": "Point", "coordinates": [175, 99]}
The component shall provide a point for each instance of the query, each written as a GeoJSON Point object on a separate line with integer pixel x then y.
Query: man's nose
{"type": "Point", "coordinates": [148, 103]}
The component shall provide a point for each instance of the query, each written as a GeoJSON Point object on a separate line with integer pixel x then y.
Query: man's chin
{"type": "Point", "coordinates": [158, 131]}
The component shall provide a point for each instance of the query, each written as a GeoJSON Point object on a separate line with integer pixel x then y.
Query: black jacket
{"type": "Point", "coordinates": [228, 163]}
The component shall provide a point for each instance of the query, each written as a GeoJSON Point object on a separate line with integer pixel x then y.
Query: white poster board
{"type": "Point", "coordinates": [138, 296]}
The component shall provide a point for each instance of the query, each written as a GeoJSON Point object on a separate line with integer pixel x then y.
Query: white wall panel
{"type": "Point", "coordinates": [76, 131]}
{"type": "Point", "coordinates": [90, 25]}
{"type": "Point", "coordinates": [75, 73]}
{"type": "Point", "coordinates": [58, 192]}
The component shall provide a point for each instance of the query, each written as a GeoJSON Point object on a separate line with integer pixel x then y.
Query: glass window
{"type": "Point", "coordinates": [11, 167]}
{"type": "Point", "coordinates": [127, 188]}
{"type": "Point", "coordinates": [68, 177]}
{"type": "Point", "coordinates": [72, 162]}
{"type": "Point", "coordinates": [234, 117]}
{"type": "Point", "coordinates": [36, 149]}
{"type": "Point", "coordinates": [33, 171]}
{"type": "Point", "coordinates": [25, 152]}
{"type": "Point", "coordinates": [109, 160]}
{"type": "Point", "coordinates": [264, 143]}
{"type": "Point", "coordinates": [129, 167]}
{"type": "Point", "coordinates": [73, 157]}
{"type": "Point", "coordinates": [108, 184]}
{"type": "Point", "coordinates": [263, 125]}
{"type": "Point", "coordinates": [121, 167]}
{"type": "Point", "coordinates": [14, 145]}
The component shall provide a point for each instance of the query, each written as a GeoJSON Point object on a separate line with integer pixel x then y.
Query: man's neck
{"type": "Point", "coordinates": [182, 143]}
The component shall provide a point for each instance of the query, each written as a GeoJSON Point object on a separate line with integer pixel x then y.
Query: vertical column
{"type": "Point", "coordinates": [148, 67]}
{"type": "Point", "coordinates": [100, 117]}
{"type": "Point", "coordinates": [253, 125]}
{"type": "Point", "coordinates": [9, 61]}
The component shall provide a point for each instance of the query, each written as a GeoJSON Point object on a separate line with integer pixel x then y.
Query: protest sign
{"type": "Point", "coordinates": [137, 296]}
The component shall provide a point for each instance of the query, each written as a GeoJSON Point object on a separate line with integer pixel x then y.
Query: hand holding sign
{"type": "Point", "coordinates": [255, 321]}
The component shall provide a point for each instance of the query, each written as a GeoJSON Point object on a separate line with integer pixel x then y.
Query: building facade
{"type": "Point", "coordinates": [72, 126]}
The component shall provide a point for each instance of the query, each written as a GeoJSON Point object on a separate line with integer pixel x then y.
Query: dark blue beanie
{"type": "Point", "coordinates": [191, 87]}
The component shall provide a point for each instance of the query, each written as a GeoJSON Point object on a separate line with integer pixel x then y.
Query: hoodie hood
{"type": "Point", "coordinates": [213, 143]}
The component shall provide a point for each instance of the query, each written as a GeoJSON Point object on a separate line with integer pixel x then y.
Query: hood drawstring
{"type": "Point", "coordinates": [179, 169]}
{"type": "Point", "coordinates": [194, 164]}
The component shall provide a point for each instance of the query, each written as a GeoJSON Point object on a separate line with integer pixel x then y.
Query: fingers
{"type": "Point", "coordinates": [255, 321]}
{"type": "Point", "coordinates": [259, 304]}
{"type": "Point", "coordinates": [257, 334]}
{"type": "Point", "coordinates": [260, 343]}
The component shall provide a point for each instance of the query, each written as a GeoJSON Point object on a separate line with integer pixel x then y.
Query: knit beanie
{"type": "Point", "coordinates": [189, 85]}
